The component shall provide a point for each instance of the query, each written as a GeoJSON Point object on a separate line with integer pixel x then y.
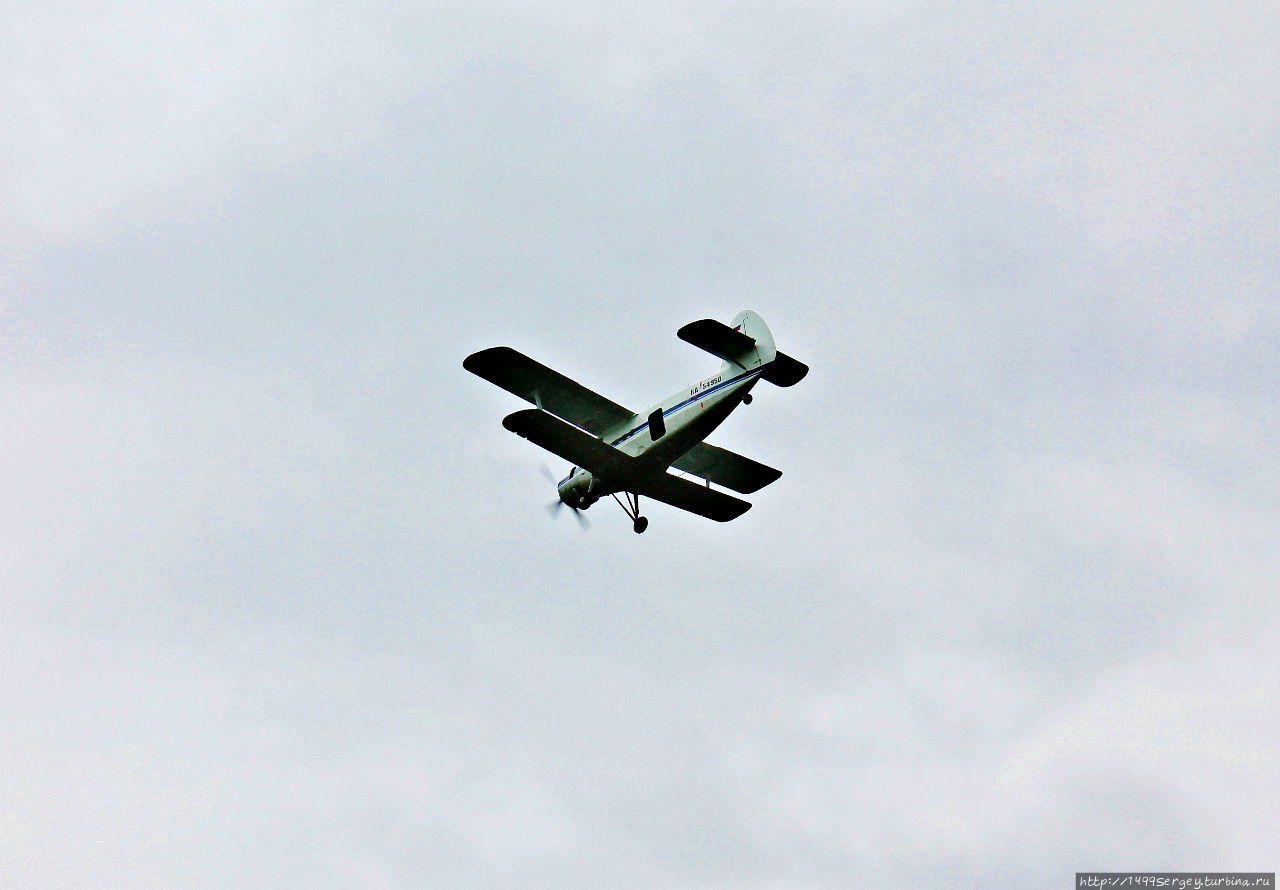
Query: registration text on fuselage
{"type": "Point", "coordinates": [706, 384]}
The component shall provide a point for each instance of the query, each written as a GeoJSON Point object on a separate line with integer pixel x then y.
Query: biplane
{"type": "Point", "coordinates": [616, 451]}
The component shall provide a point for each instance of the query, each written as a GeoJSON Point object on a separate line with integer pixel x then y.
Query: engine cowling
{"type": "Point", "coordinates": [577, 489]}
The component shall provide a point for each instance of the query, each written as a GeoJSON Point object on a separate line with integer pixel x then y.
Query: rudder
{"type": "Point", "coordinates": [744, 343]}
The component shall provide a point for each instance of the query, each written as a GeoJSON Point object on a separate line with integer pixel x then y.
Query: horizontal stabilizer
{"type": "Point", "coordinates": [720, 340]}
{"type": "Point", "coordinates": [784, 370]}
{"type": "Point", "coordinates": [536, 383]}
{"type": "Point", "coordinates": [723, 467]}
{"type": "Point", "coordinates": [695, 498]}
{"type": "Point", "coordinates": [572, 444]}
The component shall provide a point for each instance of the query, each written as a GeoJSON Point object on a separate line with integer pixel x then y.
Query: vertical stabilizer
{"type": "Point", "coordinates": [781, 369]}
{"type": "Point", "coordinates": [762, 351]}
{"type": "Point", "coordinates": [744, 343]}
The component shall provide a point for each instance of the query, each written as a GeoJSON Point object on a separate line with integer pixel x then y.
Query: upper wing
{"type": "Point", "coordinates": [535, 382]}
{"type": "Point", "coordinates": [572, 444]}
{"type": "Point", "coordinates": [723, 467]}
{"type": "Point", "coordinates": [693, 497]}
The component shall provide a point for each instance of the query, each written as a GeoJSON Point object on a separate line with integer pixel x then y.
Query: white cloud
{"type": "Point", "coordinates": [116, 115]}
{"type": "Point", "coordinates": [1197, 724]}
{"type": "Point", "coordinates": [952, 764]}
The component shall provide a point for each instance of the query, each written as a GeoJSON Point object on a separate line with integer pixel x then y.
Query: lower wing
{"type": "Point", "coordinates": [692, 497]}
{"type": "Point", "coordinates": [723, 467]}
{"type": "Point", "coordinates": [571, 443]}
{"type": "Point", "coordinates": [535, 382]}
{"type": "Point", "coordinates": [611, 465]}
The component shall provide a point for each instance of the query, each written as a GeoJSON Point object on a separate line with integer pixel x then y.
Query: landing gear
{"type": "Point", "coordinates": [632, 509]}
{"type": "Point", "coordinates": [746, 400]}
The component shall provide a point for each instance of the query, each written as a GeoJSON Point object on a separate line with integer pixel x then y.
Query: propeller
{"type": "Point", "coordinates": [555, 506]}
{"type": "Point", "coordinates": [554, 509]}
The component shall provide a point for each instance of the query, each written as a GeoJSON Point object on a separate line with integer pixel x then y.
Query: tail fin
{"type": "Point", "coordinates": [745, 343]}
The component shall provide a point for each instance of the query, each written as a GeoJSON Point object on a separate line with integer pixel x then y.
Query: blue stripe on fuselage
{"type": "Point", "coordinates": [686, 403]}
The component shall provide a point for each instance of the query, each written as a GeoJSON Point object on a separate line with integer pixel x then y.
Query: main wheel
{"type": "Point", "coordinates": [746, 400]}
{"type": "Point", "coordinates": [641, 523]}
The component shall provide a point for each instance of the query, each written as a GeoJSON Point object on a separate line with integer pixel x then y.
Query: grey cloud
{"type": "Point", "coordinates": [282, 604]}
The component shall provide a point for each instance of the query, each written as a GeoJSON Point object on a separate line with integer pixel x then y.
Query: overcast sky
{"type": "Point", "coordinates": [280, 605]}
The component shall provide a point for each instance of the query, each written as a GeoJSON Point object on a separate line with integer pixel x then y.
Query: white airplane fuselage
{"type": "Point", "coordinates": [689, 416]}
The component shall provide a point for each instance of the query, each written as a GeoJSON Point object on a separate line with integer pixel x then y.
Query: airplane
{"type": "Point", "coordinates": [616, 451]}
